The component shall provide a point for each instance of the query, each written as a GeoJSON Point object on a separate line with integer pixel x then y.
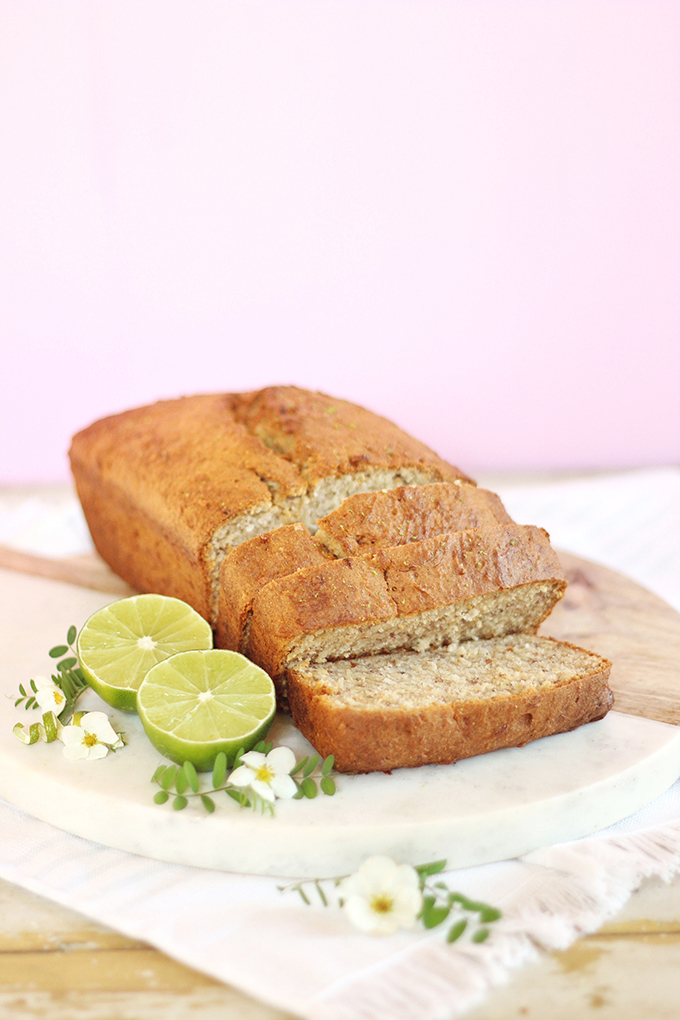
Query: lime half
{"type": "Point", "coordinates": [119, 644]}
{"type": "Point", "coordinates": [196, 704]}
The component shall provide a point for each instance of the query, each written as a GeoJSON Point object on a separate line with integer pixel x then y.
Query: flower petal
{"type": "Point", "coordinates": [281, 760]}
{"type": "Point", "coordinates": [242, 776]}
{"type": "Point", "coordinates": [98, 724]}
{"type": "Point", "coordinates": [75, 752]}
{"type": "Point", "coordinates": [254, 758]}
{"type": "Point", "coordinates": [283, 786]}
{"type": "Point", "coordinates": [263, 790]}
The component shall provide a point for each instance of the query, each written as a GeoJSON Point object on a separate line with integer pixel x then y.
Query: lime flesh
{"type": "Point", "coordinates": [196, 704]}
{"type": "Point", "coordinates": [120, 643]}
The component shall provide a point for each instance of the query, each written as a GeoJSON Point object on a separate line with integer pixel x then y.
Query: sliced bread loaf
{"type": "Point", "coordinates": [416, 708]}
{"type": "Point", "coordinates": [479, 583]}
{"type": "Point", "coordinates": [361, 525]}
{"type": "Point", "coordinates": [167, 489]}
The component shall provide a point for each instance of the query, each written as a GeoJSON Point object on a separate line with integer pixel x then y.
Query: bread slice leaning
{"type": "Point", "coordinates": [480, 583]}
{"type": "Point", "coordinates": [405, 709]}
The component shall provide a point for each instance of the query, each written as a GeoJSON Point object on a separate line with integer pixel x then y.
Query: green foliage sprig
{"type": "Point", "coordinates": [181, 783]}
{"type": "Point", "coordinates": [439, 903]}
{"type": "Point", "coordinates": [68, 678]}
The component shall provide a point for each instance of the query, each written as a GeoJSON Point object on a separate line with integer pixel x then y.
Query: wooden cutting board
{"type": "Point", "coordinates": [639, 632]}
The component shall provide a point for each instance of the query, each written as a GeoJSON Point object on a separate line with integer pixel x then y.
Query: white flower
{"type": "Point", "coordinates": [90, 737]}
{"type": "Point", "coordinates": [267, 775]}
{"type": "Point", "coordinates": [50, 697]}
{"type": "Point", "coordinates": [382, 896]}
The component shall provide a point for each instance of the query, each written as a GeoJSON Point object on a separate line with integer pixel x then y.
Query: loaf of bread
{"type": "Point", "coordinates": [167, 489]}
{"type": "Point", "coordinates": [462, 585]}
{"type": "Point", "coordinates": [390, 711]}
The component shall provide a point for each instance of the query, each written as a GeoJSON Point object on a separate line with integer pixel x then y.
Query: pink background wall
{"type": "Point", "coordinates": [464, 215]}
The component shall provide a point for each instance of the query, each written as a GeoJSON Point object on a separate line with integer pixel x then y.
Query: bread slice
{"type": "Point", "coordinates": [416, 708]}
{"type": "Point", "coordinates": [478, 583]}
{"type": "Point", "coordinates": [371, 520]}
{"type": "Point", "coordinates": [362, 524]}
{"type": "Point", "coordinates": [167, 489]}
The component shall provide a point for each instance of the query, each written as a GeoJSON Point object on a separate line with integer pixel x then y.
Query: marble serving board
{"type": "Point", "coordinates": [483, 809]}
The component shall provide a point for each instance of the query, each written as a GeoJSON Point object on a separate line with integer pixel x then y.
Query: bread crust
{"type": "Point", "coordinates": [401, 582]}
{"type": "Point", "coordinates": [325, 436]}
{"type": "Point", "coordinates": [248, 567]}
{"type": "Point", "coordinates": [166, 488]}
{"type": "Point", "coordinates": [378, 738]}
{"type": "Point", "coordinates": [371, 520]}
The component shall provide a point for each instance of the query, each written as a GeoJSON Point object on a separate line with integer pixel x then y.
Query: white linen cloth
{"type": "Point", "coordinates": [308, 960]}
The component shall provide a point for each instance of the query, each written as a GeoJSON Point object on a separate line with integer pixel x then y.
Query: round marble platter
{"type": "Point", "coordinates": [483, 809]}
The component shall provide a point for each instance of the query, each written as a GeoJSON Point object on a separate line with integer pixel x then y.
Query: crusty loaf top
{"type": "Point", "coordinates": [324, 436]}
{"type": "Point", "coordinates": [196, 462]}
{"type": "Point", "coordinates": [369, 520]}
{"type": "Point", "coordinates": [187, 463]}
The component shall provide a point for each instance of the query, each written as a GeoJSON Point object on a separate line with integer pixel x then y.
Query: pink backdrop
{"type": "Point", "coordinates": [464, 215]}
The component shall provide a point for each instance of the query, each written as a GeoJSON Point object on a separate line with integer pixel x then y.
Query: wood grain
{"type": "Point", "coordinates": [87, 571]}
{"type": "Point", "coordinates": [639, 632]}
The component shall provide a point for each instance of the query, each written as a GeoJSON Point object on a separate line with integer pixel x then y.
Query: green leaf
{"type": "Point", "coordinates": [219, 770]}
{"type": "Point", "coordinates": [192, 778]}
{"type": "Point", "coordinates": [179, 803]}
{"type": "Point", "coordinates": [456, 930]}
{"type": "Point", "coordinates": [309, 788]}
{"type": "Point", "coordinates": [299, 795]}
{"type": "Point", "coordinates": [168, 777]}
{"type": "Point", "coordinates": [433, 915]}
{"type": "Point", "coordinates": [158, 773]}
{"type": "Point", "coordinates": [481, 935]}
{"type": "Point", "coordinates": [260, 747]}
{"type": "Point", "coordinates": [299, 766]}
{"type": "Point", "coordinates": [67, 664]}
{"type": "Point", "coordinates": [237, 757]}
{"type": "Point", "coordinates": [161, 797]}
{"type": "Point", "coordinates": [31, 703]}
{"type": "Point", "coordinates": [327, 786]}
{"type": "Point", "coordinates": [239, 796]}
{"type": "Point", "coordinates": [207, 803]}
{"type": "Point", "coordinates": [311, 765]}
{"type": "Point", "coordinates": [425, 870]}
{"type": "Point", "coordinates": [328, 764]}
{"type": "Point", "coordinates": [58, 651]}
{"type": "Point", "coordinates": [181, 780]}
{"type": "Point", "coordinates": [322, 895]}
{"type": "Point", "coordinates": [71, 636]}
{"type": "Point", "coordinates": [489, 914]}
{"type": "Point", "coordinates": [22, 690]}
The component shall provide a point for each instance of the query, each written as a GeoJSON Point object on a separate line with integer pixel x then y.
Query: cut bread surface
{"type": "Point", "coordinates": [412, 708]}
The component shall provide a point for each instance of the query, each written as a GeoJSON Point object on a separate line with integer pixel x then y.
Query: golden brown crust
{"type": "Point", "coordinates": [324, 436]}
{"type": "Point", "coordinates": [462, 567]}
{"type": "Point", "coordinates": [158, 483]}
{"type": "Point", "coordinates": [370, 520]}
{"type": "Point", "coordinates": [248, 567]}
{"type": "Point", "coordinates": [335, 594]}
{"type": "Point", "coordinates": [448, 568]}
{"type": "Point", "coordinates": [379, 738]}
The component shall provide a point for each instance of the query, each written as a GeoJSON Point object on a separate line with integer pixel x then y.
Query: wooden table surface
{"type": "Point", "coordinates": [58, 965]}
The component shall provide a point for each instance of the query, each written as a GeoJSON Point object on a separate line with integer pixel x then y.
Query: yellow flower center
{"type": "Point", "coordinates": [58, 697]}
{"type": "Point", "coordinates": [90, 740]}
{"type": "Point", "coordinates": [382, 903]}
{"type": "Point", "coordinates": [264, 774]}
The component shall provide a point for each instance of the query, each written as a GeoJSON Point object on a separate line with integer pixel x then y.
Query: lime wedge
{"type": "Point", "coordinates": [195, 704]}
{"type": "Point", "coordinates": [120, 643]}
